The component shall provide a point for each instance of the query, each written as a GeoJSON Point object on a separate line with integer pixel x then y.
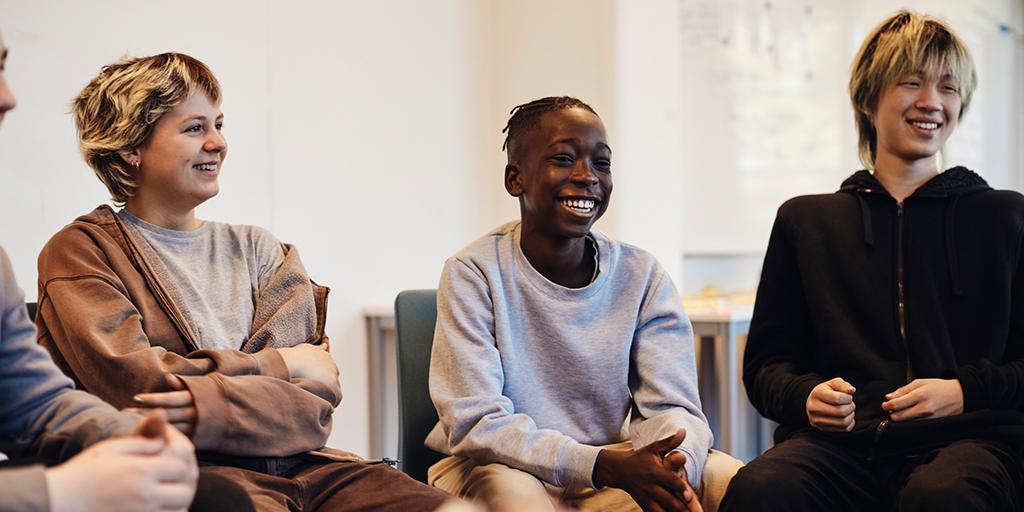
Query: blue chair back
{"type": "Point", "coordinates": [415, 317]}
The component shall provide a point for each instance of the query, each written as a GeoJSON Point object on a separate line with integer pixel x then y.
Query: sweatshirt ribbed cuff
{"type": "Point", "coordinates": [694, 467]}
{"type": "Point", "coordinates": [798, 401]}
{"type": "Point", "coordinates": [579, 466]}
{"type": "Point", "coordinates": [271, 364]}
{"type": "Point", "coordinates": [212, 412]}
{"type": "Point", "coordinates": [974, 395]}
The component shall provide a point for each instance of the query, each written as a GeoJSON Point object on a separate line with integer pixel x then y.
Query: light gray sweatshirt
{"type": "Point", "coordinates": [537, 376]}
{"type": "Point", "coordinates": [40, 413]}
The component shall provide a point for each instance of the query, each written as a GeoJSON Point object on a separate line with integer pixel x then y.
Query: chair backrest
{"type": "Point", "coordinates": [31, 306]}
{"type": "Point", "coordinates": [415, 316]}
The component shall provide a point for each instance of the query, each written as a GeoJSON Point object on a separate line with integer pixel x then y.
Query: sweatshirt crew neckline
{"type": "Point", "coordinates": [161, 231]}
{"type": "Point", "coordinates": [552, 289]}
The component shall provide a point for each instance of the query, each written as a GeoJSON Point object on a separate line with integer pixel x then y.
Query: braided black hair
{"type": "Point", "coordinates": [527, 115]}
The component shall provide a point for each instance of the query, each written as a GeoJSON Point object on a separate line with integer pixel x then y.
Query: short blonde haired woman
{"type": "Point", "coordinates": [218, 324]}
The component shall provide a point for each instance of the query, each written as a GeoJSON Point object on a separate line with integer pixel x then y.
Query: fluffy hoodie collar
{"type": "Point", "coordinates": [957, 181]}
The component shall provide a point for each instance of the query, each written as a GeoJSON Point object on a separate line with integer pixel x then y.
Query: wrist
{"type": "Point", "coordinates": [604, 468]}
{"type": "Point", "coordinates": [57, 491]}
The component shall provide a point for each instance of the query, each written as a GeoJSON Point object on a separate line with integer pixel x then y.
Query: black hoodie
{"type": "Point", "coordinates": [857, 286]}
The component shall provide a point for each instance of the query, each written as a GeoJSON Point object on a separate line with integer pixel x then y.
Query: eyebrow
{"type": "Point", "coordinates": [573, 140]}
{"type": "Point", "coordinates": [200, 117]}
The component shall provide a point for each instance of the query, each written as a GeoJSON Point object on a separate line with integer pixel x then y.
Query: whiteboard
{"type": "Point", "coordinates": [767, 114]}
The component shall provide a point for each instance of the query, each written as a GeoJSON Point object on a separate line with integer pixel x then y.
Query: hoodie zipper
{"type": "Point", "coordinates": [901, 304]}
{"type": "Point", "coordinates": [879, 430]}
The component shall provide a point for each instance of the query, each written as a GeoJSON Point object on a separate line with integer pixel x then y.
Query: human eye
{"type": "Point", "coordinates": [194, 128]}
{"type": "Point", "coordinates": [219, 125]}
{"type": "Point", "coordinates": [563, 159]}
{"type": "Point", "coordinates": [603, 164]}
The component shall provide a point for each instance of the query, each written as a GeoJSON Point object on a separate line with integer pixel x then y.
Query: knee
{"type": "Point", "coordinates": [217, 492]}
{"type": "Point", "coordinates": [931, 493]}
{"type": "Point", "coordinates": [758, 486]}
{"type": "Point", "coordinates": [718, 472]}
{"type": "Point", "coordinates": [503, 488]}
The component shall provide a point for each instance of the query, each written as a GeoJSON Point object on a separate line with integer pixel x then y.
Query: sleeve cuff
{"type": "Point", "coordinates": [270, 363]}
{"type": "Point", "coordinates": [212, 411]}
{"type": "Point", "coordinates": [25, 489]}
{"type": "Point", "coordinates": [579, 466]}
{"type": "Point", "coordinates": [972, 389]}
{"type": "Point", "coordinates": [798, 404]}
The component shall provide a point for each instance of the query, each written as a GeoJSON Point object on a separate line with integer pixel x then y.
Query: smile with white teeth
{"type": "Point", "coordinates": [579, 205]}
{"type": "Point", "coordinates": [205, 167]}
{"type": "Point", "coordinates": [924, 126]}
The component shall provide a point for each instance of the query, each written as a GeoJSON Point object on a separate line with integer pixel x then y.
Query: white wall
{"type": "Point", "coordinates": [353, 127]}
{"type": "Point", "coordinates": [368, 133]}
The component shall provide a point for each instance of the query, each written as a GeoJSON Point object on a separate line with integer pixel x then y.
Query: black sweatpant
{"type": "Point", "coordinates": [810, 473]}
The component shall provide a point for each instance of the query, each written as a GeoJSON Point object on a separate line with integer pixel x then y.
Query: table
{"type": "Point", "coordinates": [719, 341]}
{"type": "Point", "coordinates": [383, 377]}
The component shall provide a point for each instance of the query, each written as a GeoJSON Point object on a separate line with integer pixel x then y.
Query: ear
{"type": "Point", "coordinates": [131, 156]}
{"type": "Point", "coordinates": [870, 114]}
{"type": "Point", "coordinates": [513, 184]}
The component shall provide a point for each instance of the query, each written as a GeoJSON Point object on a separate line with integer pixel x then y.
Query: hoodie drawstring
{"type": "Point", "coordinates": [865, 213]}
{"type": "Point", "coordinates": [954, 267]}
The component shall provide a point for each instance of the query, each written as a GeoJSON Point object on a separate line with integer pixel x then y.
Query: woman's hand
{"type": "Point", "coordinates": [179, 404]}
{"type": "Point", "coordinates": [313, 362]}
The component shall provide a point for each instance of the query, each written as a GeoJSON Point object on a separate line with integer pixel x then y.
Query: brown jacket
{"type": "Point", "coordinates": [110, 324]}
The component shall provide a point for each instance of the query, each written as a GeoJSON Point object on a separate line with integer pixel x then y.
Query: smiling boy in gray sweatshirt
{"type": "Point", "coordinates": [550, 335]}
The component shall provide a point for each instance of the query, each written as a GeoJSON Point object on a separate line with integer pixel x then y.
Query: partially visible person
{"type": "Point", "coordinates": [888, 333]}
{"type": "Point", "coordinates": [551, 334]}
{"type": "Point", "coordinates": [87, 443]}
{"type": "Point", "coordinates": [7, 100]}
{"type": "Point", "coordinates": [43, 419]}
{"type": "Point", "coordinates": [151, 307]}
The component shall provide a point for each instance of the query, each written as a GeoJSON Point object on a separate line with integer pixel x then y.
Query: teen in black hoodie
{"type": "Point", "coordinates": [888, 333]}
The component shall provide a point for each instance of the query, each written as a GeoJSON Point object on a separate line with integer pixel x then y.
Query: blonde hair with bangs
{"type": "Point", "coordinates": [905, 43]}
{"type": "Point", "coordinates": [117, 110]}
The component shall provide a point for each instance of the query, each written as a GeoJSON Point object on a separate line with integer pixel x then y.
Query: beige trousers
{"type": "Point", "coordinates": [501, 488]}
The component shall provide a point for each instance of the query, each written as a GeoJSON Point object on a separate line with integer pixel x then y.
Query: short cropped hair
{"type": "Point", "coordinates": [118, 109]}
{"type": "Point", "coordinates": [906, 42]}
{"type": "Point", "coordinates": [526, 116]}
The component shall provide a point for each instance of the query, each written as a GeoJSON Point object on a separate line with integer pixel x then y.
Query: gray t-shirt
{"type": "Point", "coordinates": [218, 270]}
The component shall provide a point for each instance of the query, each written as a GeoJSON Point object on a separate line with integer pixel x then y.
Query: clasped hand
{"type": "Point", "coordinates": [830, 406]}
{"type": "Point", "coordinates": [654, 476]}
{"type": "Point", "coordinates": [152, 469]}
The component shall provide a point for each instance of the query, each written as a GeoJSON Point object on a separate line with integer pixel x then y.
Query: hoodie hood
{"type": "Point", "coordinates": [951, 184]}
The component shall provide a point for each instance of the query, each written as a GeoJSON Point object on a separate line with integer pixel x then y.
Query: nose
{"type": "Point", "coordinates": [7, 101]}
{"type": "Point", "coordinates": [929, 100]}
{"type": "Point", "coordinates": [215, 143]}
{"type": "Point", "coordinates": [582, 174]}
